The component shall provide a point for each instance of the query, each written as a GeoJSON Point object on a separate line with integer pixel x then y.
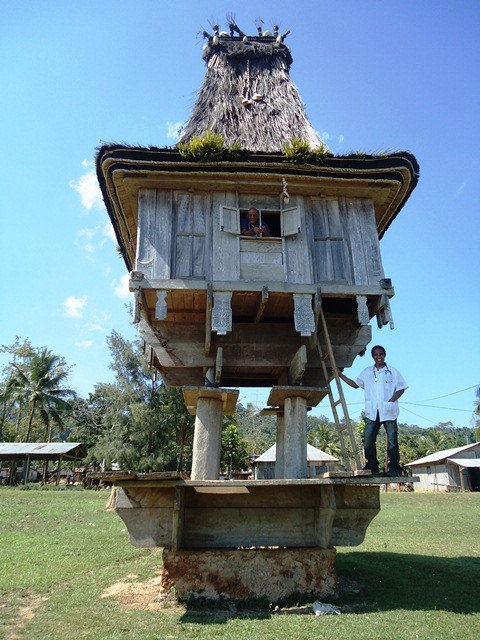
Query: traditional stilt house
{"type": "Point", "coordinates": [221, 304]}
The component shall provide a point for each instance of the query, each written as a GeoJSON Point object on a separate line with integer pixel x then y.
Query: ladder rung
{"type": "Point", "coordinates": [337, 402]}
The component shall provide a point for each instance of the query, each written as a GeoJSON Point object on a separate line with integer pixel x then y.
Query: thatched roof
{"type": "Point", "coordinates": [248, 97]}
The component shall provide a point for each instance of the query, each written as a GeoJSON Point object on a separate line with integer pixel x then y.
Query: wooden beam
{"type": "Point", "coordinates": [177, 521]}
{"type": "Point", "coordinates": [262, 304]}
{"type": "Point", "coordinates": [298, 366]}
{"type": "Point", "coordinates": [218, 366]}
{"type": "Point", "coordinates": [208, 320]}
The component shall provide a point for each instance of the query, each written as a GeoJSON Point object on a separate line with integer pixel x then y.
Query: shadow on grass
{"type": "Point", "coordinates": [372, 581]}
{"type": "Point", "coordinates": [413, 582]}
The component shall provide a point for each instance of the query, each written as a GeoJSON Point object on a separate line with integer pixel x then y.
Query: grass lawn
{"type": "Point", "coordinates": [69, 571]}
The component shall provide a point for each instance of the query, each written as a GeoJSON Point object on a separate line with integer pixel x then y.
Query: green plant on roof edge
{"type": "Point", "coordinates": [298, 151]}
{"type": "Point", "coordinates": [207, 148]}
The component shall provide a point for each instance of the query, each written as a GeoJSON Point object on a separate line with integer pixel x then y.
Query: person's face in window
{"type": "Point", "coordinates": [252, 216]}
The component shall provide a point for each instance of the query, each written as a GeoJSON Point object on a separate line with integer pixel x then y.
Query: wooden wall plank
{"type": "Point", "coordinates": [298, 252]}
{"type": "Point", "coordinates": [218, 527]}
{"type": "Point", "coordinates": [154, 242]}
{"type": "Point", "coordinates": [225, 252]}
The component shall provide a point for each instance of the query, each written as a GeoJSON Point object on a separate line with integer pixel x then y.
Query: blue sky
{"type": "Point", "coordinates": [374, 76]}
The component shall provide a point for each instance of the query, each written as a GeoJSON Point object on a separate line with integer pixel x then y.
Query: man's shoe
{"type": "Point", "coordinates": [374, 472]}
{"type": "Point", "coordinates": [394, 473]}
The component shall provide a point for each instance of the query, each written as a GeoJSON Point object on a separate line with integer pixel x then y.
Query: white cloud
{"type": "Point", "coordinates": [88, 189]}
{"type": "Point", "coordinates": [108, 232]}
{"type": "Point", "coordinates": [85, 238]}
{"type": "Point", "coordinates": [87, 233]}
{"type": "Point", "coordinates": [74, 306]}
{"type": "Point", "coordinates": [173, 130]}
{"type": "Point", "coordinates": [83, 344]}
{"type": "Point", "coordinates": [121, 290]}
{"type": "Point", "coordinates": [332, 139]}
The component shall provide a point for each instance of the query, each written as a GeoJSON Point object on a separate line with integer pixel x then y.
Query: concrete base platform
{"type": "Point", "coordinates": [240, 574]}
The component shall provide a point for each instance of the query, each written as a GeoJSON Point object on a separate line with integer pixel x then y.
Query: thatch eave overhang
{"type": "Point", "coordinates": [387, 180]}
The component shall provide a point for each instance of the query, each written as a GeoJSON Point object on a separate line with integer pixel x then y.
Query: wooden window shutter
{"type": "Point", "coordinates": [291, 221]}
{"type": "Point", "coordinates": [229, 220]}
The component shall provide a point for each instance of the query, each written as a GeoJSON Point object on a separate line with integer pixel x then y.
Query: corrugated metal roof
{"type": "Point", "coordinates": [466, 462]}
{"type": "Point", "coordinates": [438, 456]}
{"type": "Point", "coordinates": [313, 455]}
{"type": "Point", "coordinates": [42, 450]}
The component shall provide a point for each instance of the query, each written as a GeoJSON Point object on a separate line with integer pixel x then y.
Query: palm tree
{"type": "Point", "coordinates": [41, 384]}
{"type": "Point", "coordinates": [326, 439]}
{"type": "Point", "coordinates": [435, 440]}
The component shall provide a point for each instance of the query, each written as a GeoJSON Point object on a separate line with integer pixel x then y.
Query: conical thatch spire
{"type": "Point", "coordinates": [247, 95]}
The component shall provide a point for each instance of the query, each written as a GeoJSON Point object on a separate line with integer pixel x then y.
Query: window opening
{"type": "Point", "coordinates": [269, 218]}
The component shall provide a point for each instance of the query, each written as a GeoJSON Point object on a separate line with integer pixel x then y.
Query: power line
{"type": "Point", "coordinates": [447, 395]}
{"type": "Point", "coordinates": [418, 416]}
{"type": "Point", "coordinates": [432, 406]}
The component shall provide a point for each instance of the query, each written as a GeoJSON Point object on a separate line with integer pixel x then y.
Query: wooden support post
{"type": "Point", "coordinates": [218, 366]}
{"type": "Point", "coordinates": [280, 446]}
{"type": "Point", "coordinates": [295, 448]}
{"type": "Point", "coordinates": [298, 366]}
{"type": "Point", "coordinates": [325, 516]}
{"type": "Point", "coordinates": [207, 439]}
{"type": "Point", "coordinates": [26, 470]}
{"type": "Point", "coordinates": [177, 524]}
{"type": "Point", "coordinates": [208, 405]}
{"type": "Point", "coordinates": [208, 319]}
{"type": "Point", "coordinates": [291, 449]}
{"type": "Point", "coordinates": [262, 305]}
{"type": "Point", "coordinates": [58, 470]}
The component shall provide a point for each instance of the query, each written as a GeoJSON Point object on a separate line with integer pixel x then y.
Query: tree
{"type": "Point", "coordinates": [136, 422]}
{"type": "Point", "coordinates": [258, 431]}
{"type": "Point", "coordinates": [476, 413]}
{"type": "Point", "coordinates": [325, 438]}
{"type": "Point", "coordinates": [234, 453]}
{"type": "Point", "coordinates": [40, 384]}
{"type": "Point", "coordinates": [437, 439]}
{"type": "Point", "coordinates": [19, 353]}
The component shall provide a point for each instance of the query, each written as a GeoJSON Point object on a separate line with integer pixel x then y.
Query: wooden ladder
{"type": "Point", "coordinates": [345, 429]}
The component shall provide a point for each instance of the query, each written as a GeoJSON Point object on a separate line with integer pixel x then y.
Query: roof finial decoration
{"type": "Point", "coordinates": [259, 25]}
{"type": "Point", "coordinates": [232, 25]}
{"type": "Point", "coordinates": [281, 38]}
{"type": "Point", "coordinates": [235, 29]}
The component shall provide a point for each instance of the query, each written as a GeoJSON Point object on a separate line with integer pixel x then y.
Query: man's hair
{"type": "Point", "coordinates": [378, 346]}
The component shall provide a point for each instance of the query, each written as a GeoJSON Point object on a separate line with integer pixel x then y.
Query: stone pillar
{"type": "Point", "coordinates": [208, 405]}
{"type": "Point", "coordinates": [295, 446]}
{"type": "Point", "coordinates": [291, 408]}
{"type": "Point", "coordinates": [207, 439]}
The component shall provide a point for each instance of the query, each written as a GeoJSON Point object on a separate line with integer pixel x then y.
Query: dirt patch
{"type": "Point", "coordinates": [148, 595]}
{"type": "Point", "coordinates": [25, 613]}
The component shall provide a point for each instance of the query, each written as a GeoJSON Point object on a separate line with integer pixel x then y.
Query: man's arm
{"type": "Point", "coordinates": [397, 395]}
{"type": "Point", "coordinates": [351, 383]}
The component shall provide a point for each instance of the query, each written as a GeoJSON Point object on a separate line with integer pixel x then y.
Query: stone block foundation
{"type": "Point", "coordinates": [241, 574]}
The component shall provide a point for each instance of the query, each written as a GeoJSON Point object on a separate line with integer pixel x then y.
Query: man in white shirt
{"type": "Point", "coordinates": [383, 386]}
